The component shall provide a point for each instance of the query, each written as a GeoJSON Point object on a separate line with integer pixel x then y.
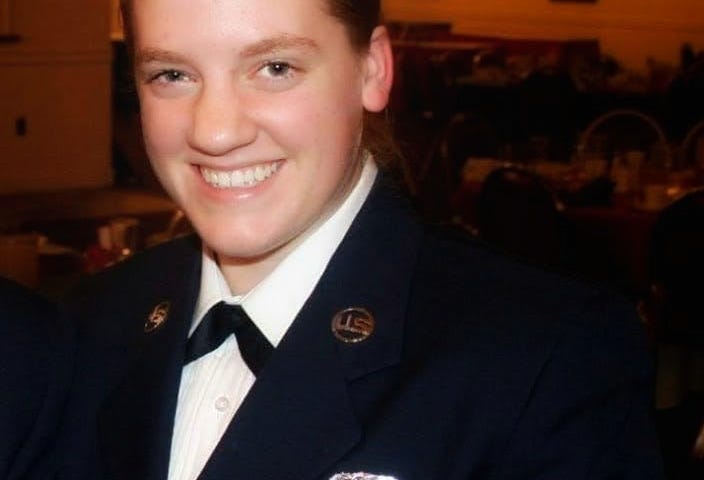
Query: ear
{"type": "Point", "coordinates": [379, 71]}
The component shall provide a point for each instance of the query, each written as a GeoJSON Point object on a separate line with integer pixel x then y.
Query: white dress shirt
{"type": "Point", "coordinates": [215, 385]}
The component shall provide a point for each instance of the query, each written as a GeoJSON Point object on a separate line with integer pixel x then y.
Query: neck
{"type": "Point", "coordinates": [243, 274]}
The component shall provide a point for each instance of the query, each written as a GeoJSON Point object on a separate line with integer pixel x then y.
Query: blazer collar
{"type": "Point", "coordinates": [135, 423]}
{"type": "Point", "coordinates": [298, 419]}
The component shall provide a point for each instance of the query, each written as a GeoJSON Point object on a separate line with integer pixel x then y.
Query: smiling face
{"type": "Point", "coordinates": [252, 116]}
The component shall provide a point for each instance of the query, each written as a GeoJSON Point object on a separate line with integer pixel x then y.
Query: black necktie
{"type": "Point", "coordinates": [221, 321]}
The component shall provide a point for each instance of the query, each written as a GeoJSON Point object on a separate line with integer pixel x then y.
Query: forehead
{"type": "Point", "coordinates": [222, 17]}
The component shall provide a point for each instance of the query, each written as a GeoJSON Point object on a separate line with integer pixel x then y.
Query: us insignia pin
{"type": "Point", "coordinates": [157, 317]}
{"type": "Point", "coordinates": [353, 325]}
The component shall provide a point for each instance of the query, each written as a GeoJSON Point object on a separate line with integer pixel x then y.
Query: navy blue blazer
{"type": "Point", "coordinates": [479, 367]}
{"type": "Point", "coordinates": [35, 355]}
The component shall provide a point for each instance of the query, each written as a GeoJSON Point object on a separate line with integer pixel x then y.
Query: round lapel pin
{"type": "Point", "coordinates": [157, 317]}
{"type": "Point", "coordinates": [353, 325]}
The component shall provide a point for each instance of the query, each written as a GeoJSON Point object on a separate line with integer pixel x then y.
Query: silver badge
{"type": "Point", "coordinates": [353, 325]}
{"type": "Point", "coordinates": [157, 317]}
{"type": "Point", "coordinates": [360, 476]}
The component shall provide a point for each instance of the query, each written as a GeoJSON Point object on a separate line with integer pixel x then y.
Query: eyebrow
{"type": "Point", "coordinates": [281, 42]}
{"type": "Point", "coordinates": [148, 55]}
{"type": "Point", "coordinates": [268, 45]}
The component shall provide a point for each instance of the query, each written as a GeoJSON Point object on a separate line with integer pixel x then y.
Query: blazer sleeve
{"type": "Point", "coordinates": [35, 366]}
{"type": "Point", "coordinates": [589, 412]}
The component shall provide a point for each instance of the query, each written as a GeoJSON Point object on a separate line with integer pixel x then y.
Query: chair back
{"type": "Point", "coordinates": [622, 131]}
{"type": "Point", "coordinates": [692, 151]}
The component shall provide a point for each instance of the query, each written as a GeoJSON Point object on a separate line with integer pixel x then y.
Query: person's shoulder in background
{"type": "Point", "coordinates": [35, 365]}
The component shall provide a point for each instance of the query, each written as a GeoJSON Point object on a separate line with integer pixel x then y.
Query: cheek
{"type": "Point", "coordinates": [289, 113]}
{"type": "Point", "coordinates": [329, 102]}
{"type": "Point", "coordinates": [163, 128]}
{"type": "Point", "coordinates": [314, 119]}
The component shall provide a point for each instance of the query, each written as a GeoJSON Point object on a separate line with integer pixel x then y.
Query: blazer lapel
{"type": "Point", "coordinates": [298, 419]}
{"type": "Point", "coordinates": [135, 424]}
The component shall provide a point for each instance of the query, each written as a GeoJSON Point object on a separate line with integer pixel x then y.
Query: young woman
{"type": "Point", "coordinates": [383, 349]}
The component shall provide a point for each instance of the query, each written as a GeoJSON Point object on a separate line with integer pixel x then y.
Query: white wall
{"type": "Point", "coordinates": [57, 78]}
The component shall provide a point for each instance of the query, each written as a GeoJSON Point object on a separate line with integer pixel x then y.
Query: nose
{"type": "Point", "coordinates": [220, 121]}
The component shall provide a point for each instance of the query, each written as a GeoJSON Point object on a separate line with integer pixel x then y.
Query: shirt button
{"type": "Point", "coordinates": [222, 404]}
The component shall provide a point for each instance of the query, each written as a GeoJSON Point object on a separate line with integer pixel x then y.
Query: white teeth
{"type": "Point", "coordinates": [243, 177]}
{"type": "Point", "coordinates": [259, 173]}
{"type": "Point", "coordinates": [210, 176]}
{"type": "Point", "coordinates": [223, 179]}
{"type": "Point", "coordinates": [237, 177]}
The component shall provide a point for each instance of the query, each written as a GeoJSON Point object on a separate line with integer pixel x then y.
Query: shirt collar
{"type": "Point", "coordinates": [276, 300]}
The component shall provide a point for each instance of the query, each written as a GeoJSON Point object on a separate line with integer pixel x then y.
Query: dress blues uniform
{"type": "Point", "coordinates": [469, 366]}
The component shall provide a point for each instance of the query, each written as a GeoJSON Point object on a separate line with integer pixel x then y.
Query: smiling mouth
{"type": "Point", "coordinates": [240, 178]}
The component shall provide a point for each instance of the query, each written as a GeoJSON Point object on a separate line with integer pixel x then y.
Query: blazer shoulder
{"type": "Point", "coordinates": [167, 271]}
{"type": "Point", "coordinates": [27, 318]}
{"type": "Point", "coordinates": [16, 300]}
{"type": "Point", "coordinates": [476, 287]}
{"type": "Point", "coordinates": [150, 266]}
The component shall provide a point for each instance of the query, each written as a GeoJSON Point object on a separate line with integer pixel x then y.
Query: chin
{"type": "Point", "coordinates": [232, 244]}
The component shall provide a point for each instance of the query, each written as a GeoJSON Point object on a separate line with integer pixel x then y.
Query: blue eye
{"type": "Point", "coordinates": [170, 76]}
{"type": "Point", "coordinates": [278, 69]}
